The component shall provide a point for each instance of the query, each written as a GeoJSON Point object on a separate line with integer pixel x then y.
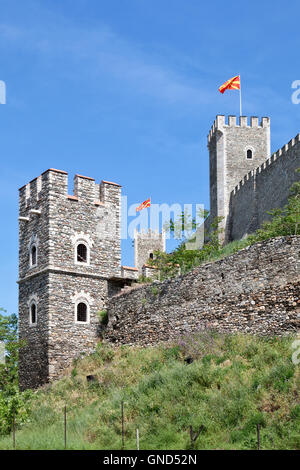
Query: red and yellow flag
{"type": "Point", "coordinates": [231, 84]}
{"type": "Point", "coordinates": [144, 204]}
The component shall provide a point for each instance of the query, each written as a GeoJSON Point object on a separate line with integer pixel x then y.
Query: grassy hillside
{"type": "Point", "coordinates": [233, 383]}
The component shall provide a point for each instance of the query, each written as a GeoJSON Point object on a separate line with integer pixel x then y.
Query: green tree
{"type": "Point", "coordinates": [182, 259]}
{"type": "Point", "coordinates": [9, 336]}
{"type": "Point", "coordinates": [11, 399]}
{"type": "Point", "coordinates": [284, 221]}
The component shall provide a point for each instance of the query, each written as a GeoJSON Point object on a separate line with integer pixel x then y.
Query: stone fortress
{"type": "Point", "coordinates": [70, 247]}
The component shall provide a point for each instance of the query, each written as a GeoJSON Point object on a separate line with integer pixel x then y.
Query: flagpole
{"type": "Point", "coordinates": [240, 97]}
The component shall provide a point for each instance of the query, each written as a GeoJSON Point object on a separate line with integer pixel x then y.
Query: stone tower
{"type": "Point", "coordinates": [235, 149]}
{"type": "Point", "coordinates": [145, 244]}
{"type": "Point", "coordinates": [70, 258]}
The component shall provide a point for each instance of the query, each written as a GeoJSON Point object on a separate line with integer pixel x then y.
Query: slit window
{"type": "Point", "coordinates": [82, 312]}
{"type": "Point", "coordinates": [33, 317]}
{"type": "Point", "coordinates": [249, 154]}
{"type": "Point", "coordinates": [82, 253]}
{"type": "Point", "coordinates": [33, 255]}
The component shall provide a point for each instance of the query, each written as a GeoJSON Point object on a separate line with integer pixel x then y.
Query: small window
{"type": "Point", "coordinates": [82, 312]}
{"type": "Point", "coordinates": [82, 253]}
{"type": "Point", "coordinates": [33, 317]}
{"type": "Point", "coordinates": [33, 255]}
{"type": "Point", "coordinates": [151, 256]}
{"type": "Point", "coordinates": [249, 154]}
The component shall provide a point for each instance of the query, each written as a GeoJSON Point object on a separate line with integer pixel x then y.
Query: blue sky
{"type": "Point", "coordinates": [127, 91]}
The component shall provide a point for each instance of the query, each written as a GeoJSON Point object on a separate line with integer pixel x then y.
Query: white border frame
{"type": "Point", "coordinates": [34, 241]}
{"type": "Point", "coordinates": [82, 300]}
{"type": "Point", "coordinates": [82, 263]}
{"type": "Point", "coordinates": [246, 151]}
{"type": "Point", "coordinates": [33, 302]}
{"type": "Point", "coordinates": [84, 239]}
{"type": "Point", "coordinates": [31, 265]}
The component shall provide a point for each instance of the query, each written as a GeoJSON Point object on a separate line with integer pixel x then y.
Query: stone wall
{"type": "Point", "coordinates": [264, 189]}
{"type": "Point", "coordinates": [67, 338]}
{"type": "Point", "coordinates": [254, 291]}
{"type": "Point", "coordinates": [34, 363]}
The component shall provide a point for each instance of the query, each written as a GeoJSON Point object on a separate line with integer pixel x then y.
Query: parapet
{"type": "Point", "coordinates": [149, 234]}
{"type": "Point", "coordinates": [268, 162]}
{"type": "Point", "coordinates": [55, 183]}
{"type": "Point", "coordinates": [220, 123]}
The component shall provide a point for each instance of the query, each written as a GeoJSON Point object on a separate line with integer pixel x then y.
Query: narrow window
{"type": "Point", "coordinates": [33, 255]}
{"type": "Point", "coordinates": [82, 312]}
{"type": "Point", "coordinates": [249, 154]}
{"type": "Point", "coordinates": [81, 253]}
{"type": "Point", "coordinates": [151, 256]}
{"type": "Point", "coordinates": [33, 313]}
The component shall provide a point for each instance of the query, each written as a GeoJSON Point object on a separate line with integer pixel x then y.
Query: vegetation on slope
{"type": "Point", "coordinates": [234, 383]}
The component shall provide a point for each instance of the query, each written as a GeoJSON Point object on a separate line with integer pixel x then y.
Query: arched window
{"type": "Point", "coordinates": [82, 312]}
{"type": "Point", "coordinates": [249, 154]}
{"type": "Point", "coordinates": [33, 314]}
{"type": "Point", "coordinates": [33, 255]}
{"type": "Point", "coordinates": [81, 253]}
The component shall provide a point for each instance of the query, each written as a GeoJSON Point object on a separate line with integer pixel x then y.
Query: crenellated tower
{"type": "Point", "coordinates": [145, 244]}
{"type": "Point", "coordinates": [70, 260]}
{"type": "Point", "coordinates": [235, 149]}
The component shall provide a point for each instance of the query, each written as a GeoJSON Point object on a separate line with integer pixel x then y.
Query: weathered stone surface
{"type": "Point", "coordinates": [253, 291]}
{"type": "Point", "coordinates": [57, 282]}
{"type": "Point", "coordinates": [145, 244]}
{"type": "Point", "coordinates": [265, 189]}
{"type": "Point", "coordinates": [228, 144]}
{"type": "Point", "coordinates": [243, 190]}
{"type": "Point", "coordinates": [256, 290]}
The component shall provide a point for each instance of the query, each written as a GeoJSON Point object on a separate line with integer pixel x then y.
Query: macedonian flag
{"type": "Point", "coordinates": [231, 84]}
{"type": "Point", "coordinates": [144, 204]}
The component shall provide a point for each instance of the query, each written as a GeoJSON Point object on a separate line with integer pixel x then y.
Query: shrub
{"type": "Point", "coordinates": [103, 315]}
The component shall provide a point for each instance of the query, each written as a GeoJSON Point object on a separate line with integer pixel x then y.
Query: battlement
{"type": "Point", "coordinates": [269, 161]}
{"type": "Point", "coordinates": [222, 123]}
{"type": "Point", "coordinates": [146, 242]}
{"type": "Point", "coordinates": [55, 183]}
{"type": "Point", "coordinates": [149, 234]}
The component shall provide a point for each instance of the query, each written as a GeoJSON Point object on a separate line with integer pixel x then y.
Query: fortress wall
{"type": "Point", "coordinates": [254, 291]}
{"type": "Point", "coordinates": [267, 188]}
{"type": "Point", "coordinates": [242, 209]}
{"type": "Point", "coordinates": [275, 179]}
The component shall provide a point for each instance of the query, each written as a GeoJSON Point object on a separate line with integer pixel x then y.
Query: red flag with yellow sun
{"type": "Point", "coordinates": [231, 84]}
{"type": "Point", "coordinates": [144, 204]}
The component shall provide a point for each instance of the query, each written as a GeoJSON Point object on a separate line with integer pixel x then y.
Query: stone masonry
{"type": "Point", "coordinates": [145, 244]}
{"type": "Point", "coordinates": [228, 144]}
{"type": "Point", "coordinates": [243, 190]}
{"type": "Point", "coordinates": [70, 258]}
{"type": "Point", "coordinates": [263, 189]}
{"type": "Point", "coordinates": [254, 291]}
{"type": "Point", "coordinates": [56, 223]}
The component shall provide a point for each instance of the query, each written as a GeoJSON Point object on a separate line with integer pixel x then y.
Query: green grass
{"type": "Point", "coordinates": [234, 383]}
